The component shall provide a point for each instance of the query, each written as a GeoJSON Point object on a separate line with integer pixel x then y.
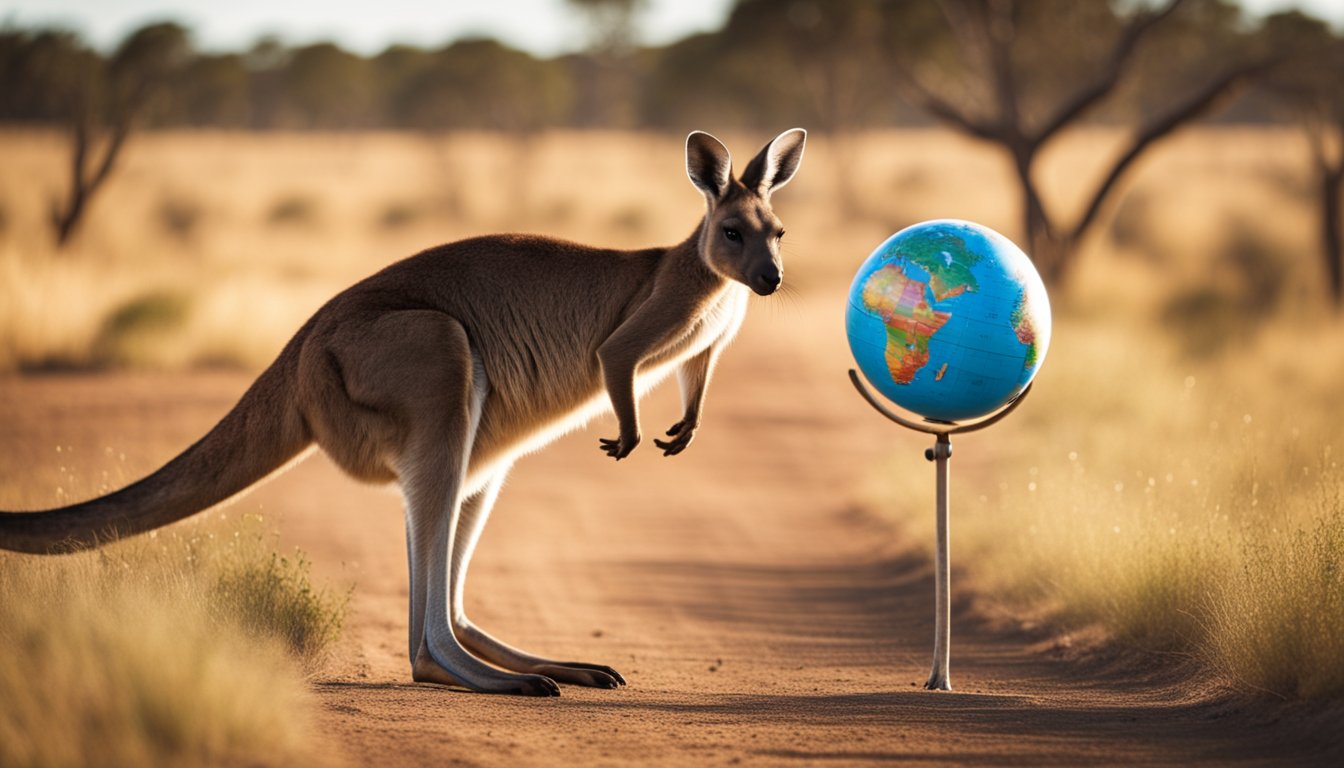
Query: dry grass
{"type": "Point", "coordinates": [1278, 623]}
{"type": "Point", "coordinates": [1188, 506]}
{"type": "Point", "coordinates": [187, 648]}
{"type": "Point", "coordinates": [248, 234]}
{"type": "Point", "coordinates": [1170, 479]}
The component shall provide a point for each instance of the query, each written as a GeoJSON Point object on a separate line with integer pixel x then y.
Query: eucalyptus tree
{"type": "Point", "coordinates": [1019, 73]}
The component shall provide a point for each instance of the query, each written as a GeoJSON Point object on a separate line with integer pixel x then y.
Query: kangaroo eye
{"type": "Point", "coordinates": [732, 234]}
{"type": "Point", "coordinates": [780, 236]}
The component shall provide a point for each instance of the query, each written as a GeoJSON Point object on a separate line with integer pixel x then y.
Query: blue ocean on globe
{"type": "Point", "coordinates": [948, 319]}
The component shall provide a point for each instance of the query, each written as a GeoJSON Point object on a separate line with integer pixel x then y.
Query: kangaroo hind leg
{"type": "Point", "coordinates": [418, 367]}
{"type": "Point", "coordinates": [471, 521]}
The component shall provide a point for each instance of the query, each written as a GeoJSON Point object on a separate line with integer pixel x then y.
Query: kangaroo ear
{"type": "Point", "coordinates": [708, 164]}
{"type": "Point", "coordinates": [776, 163]}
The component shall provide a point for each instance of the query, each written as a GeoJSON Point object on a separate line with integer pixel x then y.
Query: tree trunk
{"type": "Point", "coordinates": [1332, 235]}
{"type": "Point", "coordinates": [66, 218]}
{"type": "Point", "coordinates": [1050, 250]}
{"type": "Point", "coordinates": [1053, 255]}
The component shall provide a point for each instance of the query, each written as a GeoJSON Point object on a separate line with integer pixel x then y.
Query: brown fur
{"type": "Point", "coordinates": [438, 371]}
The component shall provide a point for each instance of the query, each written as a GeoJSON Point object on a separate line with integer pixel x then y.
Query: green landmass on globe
{"type": "Point", "coordinates": [947, 260]}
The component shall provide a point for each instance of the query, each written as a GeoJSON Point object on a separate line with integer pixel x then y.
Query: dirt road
{"type": "Point", "coordinates": [760, 616]}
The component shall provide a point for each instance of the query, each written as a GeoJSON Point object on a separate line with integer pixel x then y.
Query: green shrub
{"type": "Point", "coordinates": [272, 595]}
{"type": "Point", "coordinates": [133, 331]}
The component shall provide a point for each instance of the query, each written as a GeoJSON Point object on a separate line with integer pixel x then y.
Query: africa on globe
{"type": "Point", "coordinates": [948, 319]}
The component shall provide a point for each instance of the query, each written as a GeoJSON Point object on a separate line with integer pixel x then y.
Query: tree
{"type": "Point", "coordinates": [212, 90]}
{"type": "Point", "coordinates": [475, 84]}
{"type": "Point", "coordinates": [479, 84]}
{"type": "Point", "coordinates": [51, 77]}
{"type": "Point", "coordinates": [329, 87]}
{"type": "Point", "coordinates": [611, 23]}
{"type": "Point", "coordinates": [606, 74]}
{"type": "Point", "coordinates": [807, 62]}
{"type": "Point", "coordinates": [1308, 84]}
{"type": "Point", "coordinates": [267, 96]}
{"type": "Point", "coordinates": [1040, 66]}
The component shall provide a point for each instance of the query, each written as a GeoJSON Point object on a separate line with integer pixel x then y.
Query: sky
{"type": "Point", "coordinates": [544, 27]}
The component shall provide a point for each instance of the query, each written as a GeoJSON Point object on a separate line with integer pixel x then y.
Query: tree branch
{"type": "Point", "coordinates": [1198, 104]}
{"type": "Point", "coordinates": [79, 158]}
{"type": "Point", "coordinates": [999, 31]}
{"type": "Point", "coordinates": [924, 98]}
{"type": "Point", "coordinates": [110, 154]}
{"type": "Point", "coordinates": [1089, 95]}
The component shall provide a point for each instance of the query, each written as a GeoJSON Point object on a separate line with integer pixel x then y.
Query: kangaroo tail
{"type": "Point", "coordinates": [262, 432]}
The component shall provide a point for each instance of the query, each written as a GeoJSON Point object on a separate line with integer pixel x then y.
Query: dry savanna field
{"type": "Point", "coordinates": [1170, 496]}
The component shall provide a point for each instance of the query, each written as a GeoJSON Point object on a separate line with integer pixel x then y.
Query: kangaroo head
{"type": "Point", "coordinates": [740, 236]}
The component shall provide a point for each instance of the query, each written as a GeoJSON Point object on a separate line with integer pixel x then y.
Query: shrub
{"type": "Point", "coordinates": [272, 595]}
{"type": "Point", "coordinates": [132, 332]}
{"type": "Point", "coordinates": [120, 657]}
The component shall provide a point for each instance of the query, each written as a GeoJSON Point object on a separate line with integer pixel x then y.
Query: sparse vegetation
{"type": "Point", "coordinates": [180, 216]}
{"type": "Point", "coordinates": [293, 209]}
{"type": "Point", "coordinates": [1187, 506]}
{"type": "Point", "coordinates": [128, 656]}
{"type": "Point", "coordinates": [134, 330]}
{"type": "Point", "coordinates": [399, 214]}
{"type": "Point", "coordinates": [1151, 490]}
{"type": "Point", "coordinates": [272, 595]}
{"type": "Point", "coordinates": [1278, 624]}
{"type": "Point", "coordinates": [630, 219]}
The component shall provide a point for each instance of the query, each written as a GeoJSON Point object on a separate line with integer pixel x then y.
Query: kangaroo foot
{"type": "Point", "coordinates": [426, 670]}
{"type": "Point", "coordinates": [503, 655]}
{"type": "Point", "coordinates": [578, 673]}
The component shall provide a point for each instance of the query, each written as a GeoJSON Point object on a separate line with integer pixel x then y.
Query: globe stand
{"type": "Point", "coordinates": [939, 454]}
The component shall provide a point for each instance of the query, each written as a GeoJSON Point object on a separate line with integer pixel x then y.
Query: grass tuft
{"type": "Point", "coordinates": [120, 656]}
{"type": "Point", "coordinates": [272, 595]}
{"type": "Point", "coordinates": [293, 210]}
{"type": "Point", "coordinates": [1277, 625]}
{"type": "Point", "coordinates": [397, 215]}
{"type": "Point", "coordinates": [180, 216]}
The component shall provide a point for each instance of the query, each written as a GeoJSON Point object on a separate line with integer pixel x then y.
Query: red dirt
{"type": "Point", "coordinates": [759, 615]}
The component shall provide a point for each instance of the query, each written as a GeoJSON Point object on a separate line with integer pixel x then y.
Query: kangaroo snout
{"type": "Point", "coordinates": [766, 280]}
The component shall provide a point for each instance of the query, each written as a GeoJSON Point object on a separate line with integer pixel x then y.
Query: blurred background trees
{"type": "Point", "coordinates": [834, 65]}
{"type": "Point", "coordinates": [1013, 73]}
{"type": "Point", "coordinates": [1309, 88]}
{"type": "Point", "coordinates": [52, 77]}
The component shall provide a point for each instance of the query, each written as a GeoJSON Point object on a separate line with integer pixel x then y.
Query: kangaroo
{"type": "Point", "coordinates": [442, 369]}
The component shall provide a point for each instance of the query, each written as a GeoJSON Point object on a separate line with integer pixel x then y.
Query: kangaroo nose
{"type": "Point", "coordinates": [766, 281]}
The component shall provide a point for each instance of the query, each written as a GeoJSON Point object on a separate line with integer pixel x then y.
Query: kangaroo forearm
{"type": "Point", "coordinates": [641, 337]}
{"type": "Point", "coordinates": [620, 384]}
{"type": "Point", "coordinates": [694, 380]}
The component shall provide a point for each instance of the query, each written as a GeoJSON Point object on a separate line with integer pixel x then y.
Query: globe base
{"type": "Point", "coordinates": [940, 454]}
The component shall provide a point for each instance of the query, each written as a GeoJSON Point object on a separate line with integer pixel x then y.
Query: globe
{"type": "Point", "coordinates": [948, 319]}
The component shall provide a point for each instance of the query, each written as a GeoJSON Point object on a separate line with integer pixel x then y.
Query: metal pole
{"type": "Point", "coordinates": [940, 453]}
